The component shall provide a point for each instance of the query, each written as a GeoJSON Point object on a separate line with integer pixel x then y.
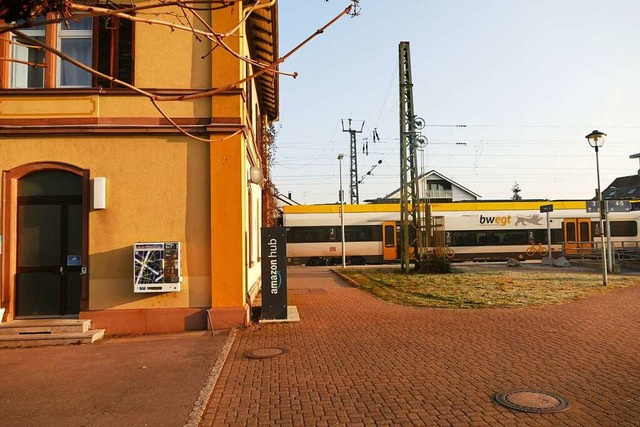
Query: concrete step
{"type": "Point", "coordinates": [44, 326]}
{"type": "Point", "coordinates": [47, 339]}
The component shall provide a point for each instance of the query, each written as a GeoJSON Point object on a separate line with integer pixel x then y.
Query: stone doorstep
{"type": "Point", "coordinates": [292, 316]}
{"type": "Point", "coordinates": [44, 326]}
{"type": "Point", "coordinates": [46, 332]}
{"type": "Point", "coordinates": [58, 338]}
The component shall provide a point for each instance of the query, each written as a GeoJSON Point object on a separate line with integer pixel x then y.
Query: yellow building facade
{"type": "Point", "coordinates": [90, 168]}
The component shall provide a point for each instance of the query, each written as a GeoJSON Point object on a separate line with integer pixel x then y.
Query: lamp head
{"type": "Point", "coordinates": [255, 175]}
{"type": "Point", "coordinates": [340, 156]}
{"type": "Point", "coordinates": [596, 138]}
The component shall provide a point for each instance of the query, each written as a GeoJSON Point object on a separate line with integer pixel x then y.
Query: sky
{"type": "Point", "coordinates": [528, 80]}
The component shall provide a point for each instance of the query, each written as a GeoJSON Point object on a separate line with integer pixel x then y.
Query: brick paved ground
{"type": "Point", "coordinates": [355, 360]}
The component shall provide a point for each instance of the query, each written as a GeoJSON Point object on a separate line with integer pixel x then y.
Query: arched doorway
{"type": "Point", "coordinates": [47, 241]}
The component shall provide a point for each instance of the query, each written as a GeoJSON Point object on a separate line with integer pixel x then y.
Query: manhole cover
{"type": "Point", "coordinates": [265, 353]}
{"type": "Point", "coordinates": [532, 401]}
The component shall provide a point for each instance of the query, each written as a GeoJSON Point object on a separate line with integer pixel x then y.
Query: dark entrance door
{"type": "Point", "coordinates": [48, 273]}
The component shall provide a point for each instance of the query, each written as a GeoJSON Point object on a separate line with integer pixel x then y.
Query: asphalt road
{"type": "Point", "coordinates": [149, 380]}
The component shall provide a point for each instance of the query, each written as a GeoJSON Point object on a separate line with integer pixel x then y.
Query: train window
{"type": "Point", "coordinates": [482, 238]}
{"type": "Point", "coordinates": [540, 236]}
{"type": "Point", "coordinates": [557, 236]}
{"type": "Point", "coordinates": [389, 236]}
{"type": "Point", "coordinates": [312, 234]}
{"type": "Point", "coordinates": [354, 234]}
{"type": "Point", "coordinates": [518, 238]}
{"type": "Point", "coordinates": [457, 238]}
{"type": "Point", "coordinates": [363, 233]}
{"type": "Point", "coordinates": [571, 231]}
{"type": "Point", "coordinates": [498, 238]}
{"type": "Point", "coordinates": [624, 228]}
{"type": "Point", "coordinates": [376, 233]}
{"type": "Point", "coordinates": [468, 238]}
{"type": "Point", "coordinates": [584, 232]}
{"type": "Point", "coordinates": [511, 237]}
{"type": "Point", "coordinates": [332, 234]}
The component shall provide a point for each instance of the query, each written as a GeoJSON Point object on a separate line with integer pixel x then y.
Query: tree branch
{"type": "Point", "coordinates": [29, 23]}
{"type": "Point", "coordinates": [272, 66]}
{"type": "Point", "coordinates": [31, 64]}
{"type": "Point", "coordinates": [92, 11]}
{"type": "Point", "coordinates": [80, 65]}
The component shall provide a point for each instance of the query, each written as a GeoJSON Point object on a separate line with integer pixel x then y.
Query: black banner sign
{"type": "Point", "coordinates": [274, 273]}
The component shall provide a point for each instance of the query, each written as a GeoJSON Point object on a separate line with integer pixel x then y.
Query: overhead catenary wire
{"type": "Point", "coordinates": [327, 145]}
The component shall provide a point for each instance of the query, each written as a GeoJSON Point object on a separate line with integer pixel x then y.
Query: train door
{"type": "Point", "coordinates": [577, 234]}
{"type": "Point", "coordinates": [389, 244]}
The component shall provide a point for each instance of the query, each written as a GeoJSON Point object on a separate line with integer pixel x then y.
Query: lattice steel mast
{"type": "Point", "coordinates": [353, 186]}
{"type": "Point", "coordinates": [413, 230]}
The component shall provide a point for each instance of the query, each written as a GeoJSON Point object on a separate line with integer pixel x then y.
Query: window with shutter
{"type": "Point", "coordinates": [113, 50]}
{"type": "Point", "coordinates": [103, 43]}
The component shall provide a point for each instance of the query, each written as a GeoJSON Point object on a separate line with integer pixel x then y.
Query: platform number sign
{"type": "Point", "coordinates": [618, 205]}
{"type": "Point", "coordinates": [612, 206]}
{"type": "Point", "coordinates": [593, 206]}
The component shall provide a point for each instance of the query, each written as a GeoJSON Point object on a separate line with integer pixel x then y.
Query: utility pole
{"type": "Point", "coordinates": [414, 231]}
{"type": "Point", "coordinates": [353, 172]}
{"type": "Point", "coordinates": [342, 237]}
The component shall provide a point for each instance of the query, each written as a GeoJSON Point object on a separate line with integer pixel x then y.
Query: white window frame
{"type": "Point", "coordinates": [21, 70]}
{"type": "Point", "coordinates": [65, 33]}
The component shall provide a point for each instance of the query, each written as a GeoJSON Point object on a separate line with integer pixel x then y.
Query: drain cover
{"type": "Point", "coordinates": [532, 401]}
{"type": "Point", "coordinates": [265, 353]}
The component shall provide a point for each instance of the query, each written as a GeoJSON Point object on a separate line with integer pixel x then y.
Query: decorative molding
{"type": "Point", "coordinates": [111, 91]}
{"type": "Point", "coordinates": [26, 107]}
{"type": "Point", "coordinates": [116, 125]}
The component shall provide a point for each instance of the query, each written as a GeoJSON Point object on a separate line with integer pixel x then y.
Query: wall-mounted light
{"type": "Point", "coordinates": [99, 193]}
{"type": "Point", "coordinates": [255, 175]}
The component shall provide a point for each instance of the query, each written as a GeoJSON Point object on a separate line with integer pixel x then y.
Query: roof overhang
{"type": "Point", "coordinates": [262, 33]}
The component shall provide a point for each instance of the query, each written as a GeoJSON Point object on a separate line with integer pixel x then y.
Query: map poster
{"type": "Point", "coordinates": [156, 267]}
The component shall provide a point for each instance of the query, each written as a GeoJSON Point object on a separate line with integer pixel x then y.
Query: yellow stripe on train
{"type": "Point", "coordinates": [440, 207]}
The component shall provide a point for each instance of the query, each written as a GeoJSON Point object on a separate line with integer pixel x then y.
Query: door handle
{"type": "Point", "coordinates": [61, 270]}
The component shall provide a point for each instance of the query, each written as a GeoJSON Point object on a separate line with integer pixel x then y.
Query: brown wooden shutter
{"type": "Point", "coordinates": [103, 48]}
{"type": "Point", "coordinates": [125, 51]}
{"type": "Point", "coordinates": [113, 49]}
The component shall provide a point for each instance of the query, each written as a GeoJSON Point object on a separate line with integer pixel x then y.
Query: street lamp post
{"type": "Point", "coordinates": [596, 140]}
{"type": "Point", "coordinates": [344, 256]}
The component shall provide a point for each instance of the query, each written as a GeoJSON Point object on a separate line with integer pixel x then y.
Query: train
{"type": "Point", "coordinates": [470, 231]}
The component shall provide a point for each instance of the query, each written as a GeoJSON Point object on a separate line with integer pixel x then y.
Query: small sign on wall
{"type": "Point", "coordinates": [74, 260]}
